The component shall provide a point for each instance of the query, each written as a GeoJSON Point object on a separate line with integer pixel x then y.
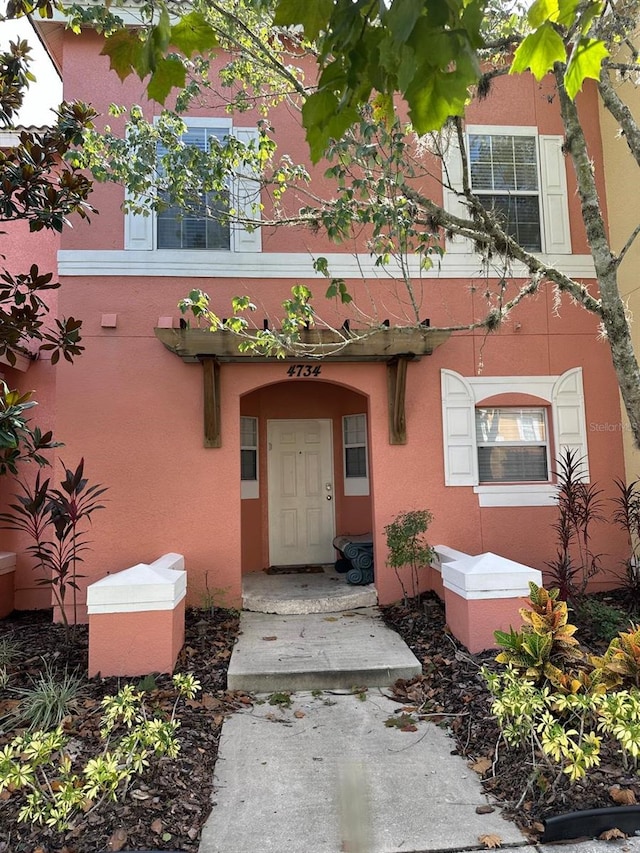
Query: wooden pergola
{"type": "Point", "coordinates": [395, 347]}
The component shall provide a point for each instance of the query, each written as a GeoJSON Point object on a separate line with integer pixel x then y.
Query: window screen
{"type": "Point", "coordinates": [512, 445]}
{"type": "Point", "coordinates": [504, 174]}
{"type": "Point", "coordinates": [199, 226]}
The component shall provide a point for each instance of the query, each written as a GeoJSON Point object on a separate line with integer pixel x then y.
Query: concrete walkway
{"type": "Point", "coordinates": [326, 775]}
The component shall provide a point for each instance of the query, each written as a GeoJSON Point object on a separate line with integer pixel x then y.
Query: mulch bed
{"type": "Point", "coordinates": [172, 799]}
{"type": "Point", "coordinates": [167, 807]}
{"type": "Point", "coordinates": [452, 692]}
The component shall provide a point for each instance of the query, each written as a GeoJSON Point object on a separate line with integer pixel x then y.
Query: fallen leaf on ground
{"type": "Point", "coordinates": [299, 714]}
{"type": "Point", "coordinates": [210, 702]}
{"type": "Point", "coordinates": [157, 826]}
{"type": "Point", "coordinates": [484, 809]}
{"type": "Point", "coordinates": [490, 841]}
{"type": "Point", "coordinates": [118, 839]}
{"type": "Point", "coordinates": [610, 834]}
{"type": "Point", "coordinates": [269, 638]}
{"type": "Point", "coordinates": [330, 618]}
{"type": "Point", "coordinates": [481, 765]}
{"type": "Point", "coordinates": [622, 796]}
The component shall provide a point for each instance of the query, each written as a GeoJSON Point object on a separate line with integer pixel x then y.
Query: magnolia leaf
{"type": "Point", "coordinates": [539, 51]}
{"type": "Point", "coordinates": [193, 34]}
{"type": "Point", "coordinates": [169, 74]}
{"type": "Point", "coordinates": [314, 17]}
{"type": "Point", "coordinates": [586, 61]}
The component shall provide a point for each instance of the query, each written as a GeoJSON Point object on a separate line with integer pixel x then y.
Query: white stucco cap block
{"type": "Point", "coordinates": [139, 588]}
{"type": "Point", "coordinates": [7, 562]}
{"type": "Point", "coordinates": [489, 576]}
{"type": "Point", "coordinates": [169, 561]}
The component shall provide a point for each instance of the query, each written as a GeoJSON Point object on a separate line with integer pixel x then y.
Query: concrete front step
{"type": "Point", "coordinates": [318, 652]}
{"type": "Point", "coordinates": [325, 592]}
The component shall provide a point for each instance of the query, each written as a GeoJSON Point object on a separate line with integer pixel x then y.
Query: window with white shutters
{"type": "Point", "coordinates": [203, 225]}
{"type": "Point", "coordinates": [521, 175]}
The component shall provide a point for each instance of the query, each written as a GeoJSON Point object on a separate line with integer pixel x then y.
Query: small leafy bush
{"type": "Point", "coordinates": [408, 547]}
{"type": "Point", "coordinates": [604, 620]}
{"type": "Point", "coordinates": [49, 698]}
{"type": "Point", "coordinates": [37, 763]}
{"type": "Point", "coordinates": [559, 702]}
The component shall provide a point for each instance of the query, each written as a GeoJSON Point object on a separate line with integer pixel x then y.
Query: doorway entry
{"type": "Point", "coordinates": [301, 492]}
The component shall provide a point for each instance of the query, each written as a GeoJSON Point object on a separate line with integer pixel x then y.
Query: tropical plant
{"type": "Point", "coordinates": [579, 507]}
{"type": "Point", "coordinates": [627, 517]}
{"type": "Point", "coordinates": [39, 764]}
{"type": "Point", "coordinates": [55, 520]}
{"type": "Point", "coordinates": [408, 548]}
{"type": "Point", "coordinates": [545, 645]}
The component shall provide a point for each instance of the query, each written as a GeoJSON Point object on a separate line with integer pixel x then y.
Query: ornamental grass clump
{"type": "Point", "coordinates": [49, 698]}
{"type": "Point", "coordinates": [560, 703]}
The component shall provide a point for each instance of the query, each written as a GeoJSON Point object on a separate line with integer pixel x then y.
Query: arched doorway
{"type": "Point", "coordinates": [305, 471]}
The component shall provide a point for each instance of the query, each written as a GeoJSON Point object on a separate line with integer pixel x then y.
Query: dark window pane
{"type": "Point", "coordinates": [356, 461]}
{"type": "Point", "coordinates": [509, 464]}
{"type": "Point", "coordinates": [248, 465]}
{"type": "Point", "coordinates": [521, 217]}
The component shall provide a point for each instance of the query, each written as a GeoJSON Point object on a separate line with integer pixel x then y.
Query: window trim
{"type": "Point", "coordinates": [140, 232]}
{"type": "Point", "coordinates": [522, 443]}
{"type": "Point", "coordinates": [552, 187]}
{"type": "Point", "coordinates": [530, 133]}
{"type": "Point", "coordinates": [461, 395]}
{"type": "Point", "coordinates": [250, 489]}
{"type": "Point", "coordinates": [355, 486]}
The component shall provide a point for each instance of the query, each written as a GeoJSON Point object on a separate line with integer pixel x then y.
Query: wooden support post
{"type": "Point", "coordinates": [211, 379]}
{"type": "Point", "coordinates": [396, 390]}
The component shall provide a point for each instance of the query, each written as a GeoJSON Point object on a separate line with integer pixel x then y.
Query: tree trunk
{"type": "Point", "coordinates": [613, 313]}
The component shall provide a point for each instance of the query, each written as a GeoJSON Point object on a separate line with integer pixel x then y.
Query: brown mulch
{"type": "Point", "coordinates": [167, 807]}
{"type": "Point", "coordinates": [172, 800]}
{"type": "Point", "coordinates": [452, 692]}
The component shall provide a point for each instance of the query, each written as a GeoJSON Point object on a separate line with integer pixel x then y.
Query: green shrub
{"type": "Point", "coordinates": [33, 761]}
{"type": "Point", "coordinates": [604, 620]}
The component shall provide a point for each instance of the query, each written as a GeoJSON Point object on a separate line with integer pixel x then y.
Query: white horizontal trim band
{"type": "Point", "coordinates": [163, 263]}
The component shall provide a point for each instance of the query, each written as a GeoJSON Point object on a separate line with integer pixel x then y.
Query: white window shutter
{"type": "Point", "coordinates": [569, 423]}
{"type": "Point", "coordinates": [246, 197]}
{"type": "Point", "coordinates": [459, 430]}
{"type": "Point", "coordinates": [452, 175]}
{"type": "Point", "coordinates": [555, 210]}
{"type": "Point", "coordinates": [138, 231]}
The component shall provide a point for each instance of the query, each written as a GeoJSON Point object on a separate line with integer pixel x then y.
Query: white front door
{"type": "Point", "coordinates": [301, 513]}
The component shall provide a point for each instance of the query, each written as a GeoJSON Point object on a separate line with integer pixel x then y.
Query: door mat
{"type": "Point", "coordinates": [294, 570]}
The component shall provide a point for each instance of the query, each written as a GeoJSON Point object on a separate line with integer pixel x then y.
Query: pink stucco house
{"type": "Point", "coordinates": [240, 462]}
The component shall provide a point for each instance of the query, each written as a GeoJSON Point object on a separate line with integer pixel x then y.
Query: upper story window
{"type": "Point", "coordinates": [519, 173]}
{"type": "Point", "coordinates": [512, 445]}
{"type": "Point", "coordinates": [504, 173]}
{"type": "Point", "coordinates": [202, 226]}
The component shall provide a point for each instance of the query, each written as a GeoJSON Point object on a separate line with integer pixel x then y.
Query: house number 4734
{"type": "Point", "coordinates": [302, 370]}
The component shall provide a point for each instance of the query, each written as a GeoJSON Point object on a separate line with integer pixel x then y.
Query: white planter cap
{"type": "Point", "coordinates": [139, 588]}
{"type": "Point", "coordinates": [7, 562]}
{"type": "Point", "coordinates": [170, 561]}
{"type": "Point", "coordinates": [489, 576]}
